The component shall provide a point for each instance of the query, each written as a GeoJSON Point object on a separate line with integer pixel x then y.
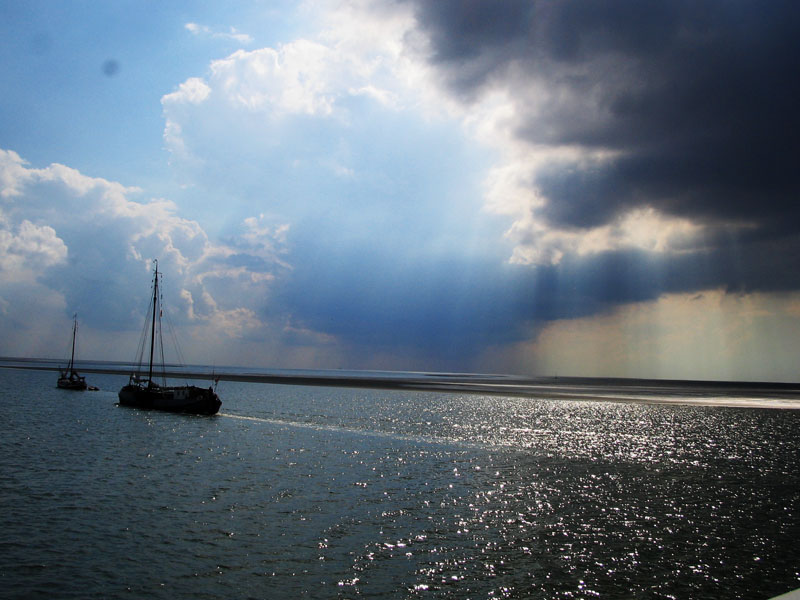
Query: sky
{"type": "Point", "coordinates": [536, 187]}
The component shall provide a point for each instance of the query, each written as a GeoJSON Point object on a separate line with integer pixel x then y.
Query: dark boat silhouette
{"type": "Point", "coordinates": [143, 392]}
{"type": "Point", "coordinates": [69, 378]}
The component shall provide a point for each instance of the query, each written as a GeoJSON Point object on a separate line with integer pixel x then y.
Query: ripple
{"type": "Point", "coordinates": [323, 493]}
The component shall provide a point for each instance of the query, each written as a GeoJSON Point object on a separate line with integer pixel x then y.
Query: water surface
{"type": "Point", "coordinates": [321, 492]}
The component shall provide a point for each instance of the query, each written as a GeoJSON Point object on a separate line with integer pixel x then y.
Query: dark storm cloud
{"type": "Point", "coordinates": [453, 309]}
{"type": "Point", "coordinates": [698, 98]}
{"type": "Point", "coordinates": [448, 309]}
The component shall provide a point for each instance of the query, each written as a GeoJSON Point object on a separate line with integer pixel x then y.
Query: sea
{"type": "Point", "coordinates": [335, 492]}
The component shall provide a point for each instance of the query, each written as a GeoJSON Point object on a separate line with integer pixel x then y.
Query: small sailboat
{"type": "Point", "coordinates": [143, 391]}
{"type": "Point", "coordinates": [69, 379]}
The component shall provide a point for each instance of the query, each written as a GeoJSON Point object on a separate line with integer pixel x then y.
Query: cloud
{"type": "Point", "coordinates": [88, 243]}
{"type": "Point", "coordinates": [13, 173]}
{"type": "Point", "coordinates": [309, 76]}
{"type": "Point", "coordinates": [324, 131]}
{"type": "Point", "coordinates": [360, 178]}
{"type": "Point", "coordinates": [231, 35]}
{"type": "Point", "coordinates": [192, 91]}
{"type": "Point", "coordinates": [298, 78]}
{"type": "Point", "coordinates": [29, 247]}
{"type": "Point", "coordinates": [606, 162]}
{"type": "Point", "coordinates": [440, 314]}
{"type": "Point", "coordinates": [611, 110]}
{"type": "Point", "coordinates": [639, 229]}
{"type": "Point", "coordinates": [355, 57]}
{"type": "Point", "coordinates": [712, 335]}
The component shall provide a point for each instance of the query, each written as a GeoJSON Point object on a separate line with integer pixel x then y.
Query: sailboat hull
{"type": "Point", "coordinates": [145, 393]}
{"type": "Point", "coordinates": [180, 399]}
{"type": "Point", "coordinates": [72, 383]}
{"type": "Point", "coordinates": [69, 379]}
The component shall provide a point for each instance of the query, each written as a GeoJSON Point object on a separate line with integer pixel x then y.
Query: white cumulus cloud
{"type": "Point", "coordinates": [232, 34]}
{"type": "Point", "coordinates": [85, 241]}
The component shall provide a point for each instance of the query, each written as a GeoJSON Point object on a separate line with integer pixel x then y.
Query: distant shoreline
{"type": "Point", "coordinates": [647, 391]}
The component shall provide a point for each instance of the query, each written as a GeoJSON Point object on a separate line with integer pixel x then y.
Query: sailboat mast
{"type": "Point", "coordinates": [153, 326]}
{"type": "Point", "coordinates": [74, 333]}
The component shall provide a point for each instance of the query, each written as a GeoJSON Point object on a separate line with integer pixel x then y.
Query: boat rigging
{"type": "Point", "coordinates": [144, 392]}
{"type": "Point", "coordinates": [69, 378]}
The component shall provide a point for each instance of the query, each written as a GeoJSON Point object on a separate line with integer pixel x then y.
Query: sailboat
{"type": "Point", "coordinates": [143, 392]}
{"type": "Point", "coordinates": [69, 379]}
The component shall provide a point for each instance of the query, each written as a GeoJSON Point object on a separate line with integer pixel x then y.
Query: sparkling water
{"type": "Point", "coordinates": [322, 493]}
